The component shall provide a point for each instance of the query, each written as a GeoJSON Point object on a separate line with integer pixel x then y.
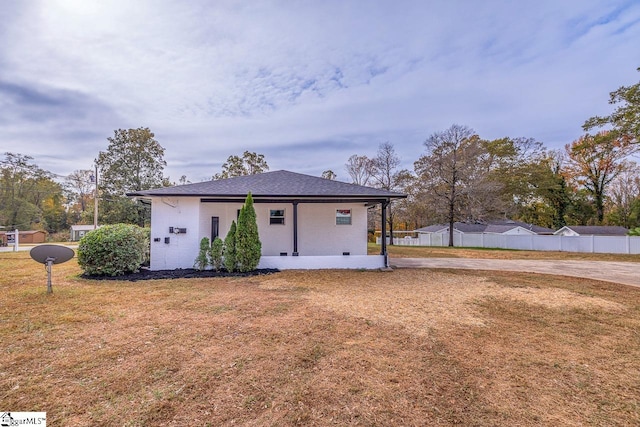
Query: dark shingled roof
{"type": "Point", "coordinates": [273, 184]}
{"type": "Point", "coordinates": [495, 226]}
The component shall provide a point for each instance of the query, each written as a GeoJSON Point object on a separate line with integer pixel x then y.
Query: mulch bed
{"type": "Point", "coordinates": [180, 273]}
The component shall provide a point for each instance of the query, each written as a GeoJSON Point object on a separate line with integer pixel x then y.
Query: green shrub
{"type": "Point", "coordinates": [634, 232]}
{"type": "Point", "coordinates": [229, 250]}
{"type": "Point", "coordinates": [248, 245]}
{"type": "Point", "coordinates": [215, 253]}
{"type": "Point", "coordinates": [202, 260]}
{"type": "Point", "coordinates": [113, 250]}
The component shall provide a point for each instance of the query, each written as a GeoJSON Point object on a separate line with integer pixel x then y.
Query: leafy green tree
{"type": "Point", "coordinates": [26, 191]}
{"type": "Point", "coordinates": [553, 192]}
{"type": "Point", "coordinates": [625, 119]}
{"type": "Point", "coordinates": [229, 249]}
{"type": "Point", "coordinates": [215, 253]}
{"type": "Point", "coordinates": [250, 163]}
{"type": "Point", "coordinates": [133, 161]}
{"type": "Point", "coordinates": [248, 245]}
{"type": "Point", "coordinates": [512, 164]}
{"type": "Point", "coordinates": [634, 232]}
{"type": "Point", "coordinates": [54, 214]}
{"type": "Point", "coordinates": [202, 260]}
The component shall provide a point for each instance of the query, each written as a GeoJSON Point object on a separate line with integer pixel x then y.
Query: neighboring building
{"type": "Point", "coordinates": [592, 230]}
{"type": "Point", "coordinates": [77, 232]}
{"type": "Point", "coordinates": [493, 227]}
{"type": "Point", "coordinates": [303, 221]}
{"type": "Point", "coordinates": [28, 236]}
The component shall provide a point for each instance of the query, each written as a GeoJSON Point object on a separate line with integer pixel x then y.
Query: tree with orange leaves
{"type": "Point", "coordinates": [595, 161]}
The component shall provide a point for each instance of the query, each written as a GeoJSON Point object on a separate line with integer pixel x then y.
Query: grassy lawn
{"type": "Point", "coordinates": [483, 253]}
{"type": "Point", "coordinates": [409, 347]}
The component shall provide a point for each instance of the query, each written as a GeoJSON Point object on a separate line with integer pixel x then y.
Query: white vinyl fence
{"type": "Point", "coordinates": [534, 242]}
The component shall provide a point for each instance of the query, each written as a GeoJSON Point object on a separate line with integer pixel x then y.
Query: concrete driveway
{"type": "Point", "coordinates": [627, 273]}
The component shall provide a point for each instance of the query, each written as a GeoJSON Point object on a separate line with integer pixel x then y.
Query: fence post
{"type": "Point", "coordinates": [628, 244]}
{"type": "Point", "coordinates": [16, 238]}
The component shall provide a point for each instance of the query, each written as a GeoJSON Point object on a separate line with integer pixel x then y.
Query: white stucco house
{"type": "Point", "coordinates": [304, 222]}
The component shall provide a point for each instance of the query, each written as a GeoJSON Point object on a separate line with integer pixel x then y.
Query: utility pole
{"type": "Point", "coordinates": [95, 201]}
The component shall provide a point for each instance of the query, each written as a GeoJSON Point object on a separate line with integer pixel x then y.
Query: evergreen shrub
{"type": "Point", "coordinates": [202, 260]}
{"type": "Point", "coordinates": [229, 249]}
{"type": "Point", "coordinates": [113, 250]}
{"type": "Point", "coordinates": [248, 245]}
{"type": "Point", "coordinates": [215, 253]}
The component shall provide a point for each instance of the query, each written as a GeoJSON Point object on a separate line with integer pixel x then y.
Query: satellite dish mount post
{"type": "Point", "coordinates": [48, 264]}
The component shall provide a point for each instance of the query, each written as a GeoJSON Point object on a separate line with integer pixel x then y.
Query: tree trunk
{"type": "Point", "coordinates": [600, 207]}
{"type": "Point", "coordinates": [451, 223]}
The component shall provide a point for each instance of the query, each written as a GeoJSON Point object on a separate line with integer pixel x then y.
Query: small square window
{"type": "Point", "coordinates": [343, 217]}
{"type": "Point", "coordinates": [276, 216]}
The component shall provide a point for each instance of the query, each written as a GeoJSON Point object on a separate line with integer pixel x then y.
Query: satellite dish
{"type": "Point", "coordinates": [49, 255]}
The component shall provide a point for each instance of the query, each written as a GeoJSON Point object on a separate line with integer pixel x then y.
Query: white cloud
{"type": "Point", "coordinates": [214, 79]}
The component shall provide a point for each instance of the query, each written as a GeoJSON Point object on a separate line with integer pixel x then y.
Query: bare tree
{"type": "Point", "coordinates": [81, 184]}
{"type": "Point", "coordinates": [454, 172]}
{"type": "Point", "coordinates": [385, 174]}
{"type": "Point", "coordinates": [360, 169]}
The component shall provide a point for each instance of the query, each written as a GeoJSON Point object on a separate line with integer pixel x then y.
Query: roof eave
{"type": "Point", "coordinates": [273, 196]}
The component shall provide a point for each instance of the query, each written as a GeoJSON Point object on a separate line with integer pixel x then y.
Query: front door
{"type": "Point", "coordinates": [215, 227]}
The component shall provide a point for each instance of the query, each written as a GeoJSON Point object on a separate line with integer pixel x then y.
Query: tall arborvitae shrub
{"type": "Point", "coordinates": [229, 250]}
{"type": "Point", "coordinates": [215, 253]}
{"type": "Point", "coordinates": [248, 245]}
{"type": "Point", "coordinates": [202, 260]}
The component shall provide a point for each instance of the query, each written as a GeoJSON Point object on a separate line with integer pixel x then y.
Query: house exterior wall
{"type": "Point", "coordinates": [226, 213]}
{"type": "Point", "coordinates": [276, 238]}
{"type": "Point", "coordinates": [518, 231]}
{"type": "Point", "coordinates": [318, 234]}
{"type": "Point", "coordinates": [566, 232]}
{"type": "Point", "coordinates": [181, 249]}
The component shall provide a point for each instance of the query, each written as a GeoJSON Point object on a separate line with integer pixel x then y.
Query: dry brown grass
{"type": "Point", "coordinates": [410, 347]}
{"type": "Point", "coordinates": [396, 251]}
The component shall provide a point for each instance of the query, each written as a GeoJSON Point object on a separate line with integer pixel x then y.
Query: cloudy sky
{"type": "Point", "coordinates": [307, 83]}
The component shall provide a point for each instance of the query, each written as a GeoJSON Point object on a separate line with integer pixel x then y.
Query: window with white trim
{"type": "Point", "coordinates": [276, 216]}
{"type": "Point", "coordinates": [343, 217]}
